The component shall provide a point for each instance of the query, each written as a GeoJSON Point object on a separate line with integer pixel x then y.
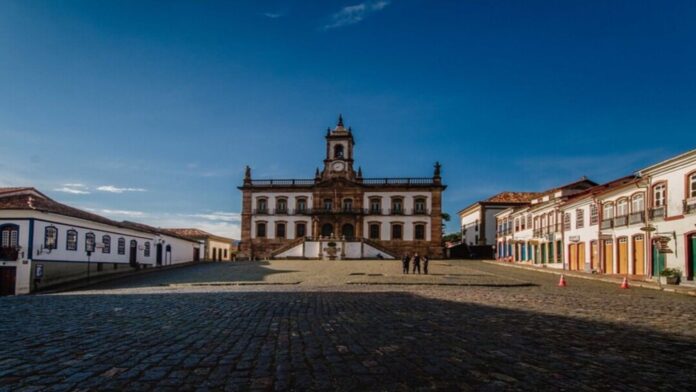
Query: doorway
{"type": "Point", "coordinates": [8, 276]}
{"type": "Point", "coordinates": [658, 260]}
{"type": "Point", "coordinates": [133, 253]}
{"type": "Point", "coordinates": [159, 254]}
{"type": "Point", "coordinates": [691, 261]}
{"type": "Point", "coordinates": [327, 230]}
{"type": "Point", "coordinates": [608, 257]}
{"type": "Point", "coordinates": [638, 255]}
{"type": "Point", "coordinates": [348, 231]}
{"type": "Point", "coordinates": [623, 255]}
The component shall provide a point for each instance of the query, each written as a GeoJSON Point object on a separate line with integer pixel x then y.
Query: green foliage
{"type": "Point", "coordinates": [452, 237]}
{"type": "Point", "coordinates": [671, 272]}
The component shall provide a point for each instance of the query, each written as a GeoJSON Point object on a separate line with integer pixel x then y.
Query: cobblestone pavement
{"type": "Point", "coordinates": [142, 334]}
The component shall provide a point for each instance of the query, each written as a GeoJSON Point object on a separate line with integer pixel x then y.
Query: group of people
{"type": "Point", "coordinates": [416, 260]}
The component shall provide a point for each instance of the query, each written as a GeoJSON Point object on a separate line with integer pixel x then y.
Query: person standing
{"type": "Point", "coordinates": [426, 259]}
{"type": "Point", "coordinates": [416, 263]}
{"type": "Point", "coordinates": [404, 263]}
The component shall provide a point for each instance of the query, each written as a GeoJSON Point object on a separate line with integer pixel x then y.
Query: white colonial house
{"type": "Point", "coordinates": [45, 243]}
{"type": "Point", "coordinates": [672, 213]}
{"type": "Point", "coordinates": [534, 233]}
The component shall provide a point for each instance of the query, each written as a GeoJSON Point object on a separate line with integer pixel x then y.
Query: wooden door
{"type": "Point", "coordinates": [638, 255]}
{"type": "Point", "coordinates": [7, 280]}
{"type": "Point", "coordinates": [581, 256]}
{"type": "Point", "coordinates": [608, 257]}
{"type": "Point", "coordinates": [594, 255]}
{"type": "Point", "coordinates": [572, 254]}
{"type": "Point", "coordinates": [623, 256]}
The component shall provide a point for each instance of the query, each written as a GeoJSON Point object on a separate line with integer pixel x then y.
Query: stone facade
{"type": "Point", "coordinates": [397, 214]}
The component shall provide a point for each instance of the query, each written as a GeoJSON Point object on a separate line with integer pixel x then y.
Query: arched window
{"type": "Point", "coordinates": [338, 151]}
{"type": "Point", "coordinates": [106, 241]}
{"type": "Point", "coordinates": [121, 246]}
{"type": "Point", "coordinates": [51, 237]}
{"type": "Point", "coordinates": [419, 206]}
{"type": "Point", "coordinates": [622, 207]}
{"type": "Point", "coordinates": [90, 242]}
{"type": "Point", "coordinates": [347, 205]}
{"type": "Point", "coordinates": [374, 231]}
{"type": "Point", "coordinates": [397, 205]}
{"type": "Point", "coordinates": [281, 205]}
{"type": "Point", "coordinates": [261, 229]}
{"type": "Point", "coordinates": [638, 203]}
{"type": "Point", "coordinates": [608, 211]}
{"type": "Point", "coordinates": [419, 231]}
{"type": "Point", "coordinates": [261, 205]}
{"type": "Point", "coordinates": [146, 252]}
{"type": "Point", "coordinates": [301, 204]}
{"type": "Point", "coordinates": [692, 186]}
{"type": "Point", "coordinates": [376, 205]}
{"type": "Point", "coordinates": [71, 240]}
{"type": "Point", "coordinates": [327, 230]}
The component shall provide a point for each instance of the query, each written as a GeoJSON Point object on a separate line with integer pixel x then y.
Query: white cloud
{"type": "Point", "coordinates": [114, 189]}
{"type": "Point", "coordinates": [218, 216]}
{"type": "Point", "coordinates": [125, 213]}
{"type": "Point", "coordinates": [73, 190]}
{"type": "Point", "coordinates": [353, 14]}
{"type": "Point", "coordinates": [75, 185]}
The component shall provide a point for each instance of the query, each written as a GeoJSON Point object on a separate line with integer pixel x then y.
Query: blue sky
{"type": "Point", "coordinates": [145, 111]}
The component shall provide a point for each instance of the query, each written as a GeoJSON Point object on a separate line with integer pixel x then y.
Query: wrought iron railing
{"type": "Point", "coordinates": [607, 223]}
{"type": "Point", "coordinates": [690, 206]}
{"type": "Point", "coordinates": [657, 212]}
{"type": "Point", "coordinates": [636, 217]}
{"type": "Point", "coordinates": [290, 182]}
{"type": "Point", "coordinates": [621, 221]}
{"type": "Point", "coordinates": [9, 253]}
{"type": "Point", "coordinates": [399, 181]}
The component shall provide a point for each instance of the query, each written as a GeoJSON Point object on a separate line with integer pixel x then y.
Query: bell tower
{"type": "Point", "coordinates": [339, 152]}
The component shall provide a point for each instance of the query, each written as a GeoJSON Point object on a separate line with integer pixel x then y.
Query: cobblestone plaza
{"type": "Point", "coordinates": [358, 325]}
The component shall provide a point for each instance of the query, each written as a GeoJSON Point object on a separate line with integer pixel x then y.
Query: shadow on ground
{"type": "Point", "coordinates": [256, 271]}
{"type": "Point", "coordinates": [324, 340]}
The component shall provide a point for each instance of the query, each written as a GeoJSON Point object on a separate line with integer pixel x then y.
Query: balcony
{"type": "Point", "coordinates": [373, 211]}
{"type": "Point", "coordinates": [302, 211]}
{"type": "Point", "coordinates": [280, 211]}
{"type": "Point", "coordinates": [420, 211]}
{"type": "Point", "coordinates": [396, 211]}
{"type": "Point", "coordinates": [657, 212]}
{"type": "Point", "coordinates": [636, 217]}
{"type": "Point", "coordinates": [607, 224]}
{"type": "Point", "coordinates": [260, 211]}
{"type": "Point", "coordinates": [9, 253]}
{"type": "Point", "coordinates": [690, 205]}
{"type": "Point", "coordinates": [537, 233]}
{"type": "Point", "coordinates": [621, 221]}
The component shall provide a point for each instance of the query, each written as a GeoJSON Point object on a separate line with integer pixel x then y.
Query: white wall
{"type": "Point", "coordinates": [386, 221]}
{"type": "Point", "coordinates": [409, 199]}
{"type": "Point", "coordinates": [470, 222]}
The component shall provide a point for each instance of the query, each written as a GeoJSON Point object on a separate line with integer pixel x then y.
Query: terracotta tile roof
{"type": "Point", "coordinates": [38, 202]}
{"type": "Point", "coordinates": [513, 197]}
{"type": "Point", "coordinates": [197, 234]}
{"type": "Point", "coordinates": [5, 191]}
{"type": "Point", "coordinates": [607, 186]}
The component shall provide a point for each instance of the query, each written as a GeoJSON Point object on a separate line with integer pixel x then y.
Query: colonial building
{"type": "Point", "coordinates": [215, 247]}
{"type": "Point", "coordinates": [534, 233]}
{"type": "Point", "coordinates": [45, 243]}
{"type": "Point", "coordinates": [339, 213]}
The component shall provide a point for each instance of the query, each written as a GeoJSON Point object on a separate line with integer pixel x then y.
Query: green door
{"type": "Point", "coordinates": [543, 253]}
{"type": "Point", "coordinates": [692, 252]}
{"type": "Point", "coordinates": [658, 261]}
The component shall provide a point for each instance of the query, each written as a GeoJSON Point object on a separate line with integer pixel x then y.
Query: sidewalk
{"type": "Point", "coordinates": [615, 279]}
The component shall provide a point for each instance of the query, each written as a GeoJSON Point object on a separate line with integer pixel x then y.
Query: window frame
{"type": "Point", "coordinates": [93, 242]}
{"type": "Point", "coordinates": [278, 225]}
{"type": "Point", "coordinates": [579, 218]}
{"type": "Point", "coordinates": [417, 225]}
{"type": "Point", "coordinates": [68, 234]}
{"type": "Point", "coordinates": [106, 242]}
{"type": "Point", "coordinates": [121, 246]}
{"type": "Point", "coordinates": [371, 225]}
{"type": "Point", "coordinates": [259, 225]}
{"type": "Point", "coordinates": [54, 244]}
{"type": "Point", "coordinates": [638, 196]}
{"type": "Point", "coordinates": [146, 249]}
{"type": "Point", "coordinates": [394, 225]}
{"type": "Point", "coordinates": [622, 202]}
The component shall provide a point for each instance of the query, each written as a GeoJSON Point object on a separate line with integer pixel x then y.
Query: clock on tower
{"type": "Point", "coordinates": [339, 152]}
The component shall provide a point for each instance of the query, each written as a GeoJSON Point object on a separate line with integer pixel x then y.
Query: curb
{"type": "Point", "coordinates": [640, 284]}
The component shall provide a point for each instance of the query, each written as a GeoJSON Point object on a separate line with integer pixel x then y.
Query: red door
{"type": "Point", "coordinates": [7, 280]}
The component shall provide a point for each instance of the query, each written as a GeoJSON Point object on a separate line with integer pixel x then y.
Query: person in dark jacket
{"type": "Point", "coordinates": [416, 263]}
{"type": "Point", "coordinates": [404, 263]}
{"type": "Point", "coordinates": [426, 259]}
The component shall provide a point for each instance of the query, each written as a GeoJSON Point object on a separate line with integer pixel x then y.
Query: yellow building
{"type": "Point", "coordinates": [216, 248]}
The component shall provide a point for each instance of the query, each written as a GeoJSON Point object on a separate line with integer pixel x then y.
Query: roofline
{"type": "Point", "coordinates": [666, 162]}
